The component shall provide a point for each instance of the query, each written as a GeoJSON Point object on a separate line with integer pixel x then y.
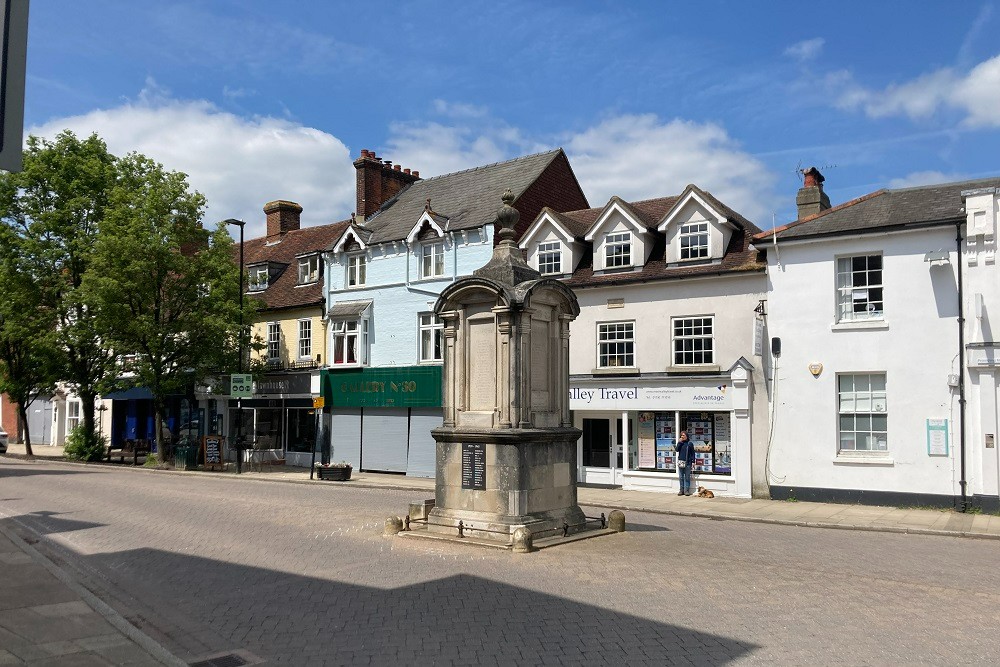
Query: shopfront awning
{"type": "Point", "coordinates": [133, 394]}
{"type": "Point", "coordinates": [344, 309]}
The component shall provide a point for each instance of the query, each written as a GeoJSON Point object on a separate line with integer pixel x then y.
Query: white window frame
{"type": "Point", "coordinates": [74, 414]}
{"type": "Point", "coordinates": [695, 241]}
{"type": "Point", "coordinates": [863, 407]}
{"type": "Point", "coordinates": [688, 338]}
{"type": "Point", "coordinates": [308, 269]}
{"type": "Point", "coordinates": [430, 336]}
{"type": "Point", "coordinates": [550, 258]}
{"type": "Point", "coordinates": [432, 259]}
{"type": "Point", "coordinates": [622, 241]}
{"type": "Point", "coordinates": [305, 339]}
{"type": "Point", "coordinates": [357, 271]}
{"type": "Point", "coordinates": [616, 344]}
{"type": "Point", "coordinates": [860, 293]}
{"type": "Point", "coordinates": [273, 341]}
{"type": "Point", "coordinates": [349, 333]}
{"type": "Point", "coordinates": [260, 276]}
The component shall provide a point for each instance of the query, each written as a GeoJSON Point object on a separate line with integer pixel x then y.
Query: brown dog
{"type": "Point", "coordinates": [705, 493]}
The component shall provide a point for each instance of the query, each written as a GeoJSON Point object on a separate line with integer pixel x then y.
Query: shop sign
{"type": "Point", "coordinates": [983, 355]}
{"type": "Point", "coordinates": [284, 384]}
{"type": "Point", "coordinates": [241, 385]}
{"type": "Point", "coordinates": [403, 387]}
{"type": "Point", "coordinates": [614, 397]}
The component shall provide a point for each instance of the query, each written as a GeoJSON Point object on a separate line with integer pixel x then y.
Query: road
{"type": "Point", "coordinates": [300, 574]}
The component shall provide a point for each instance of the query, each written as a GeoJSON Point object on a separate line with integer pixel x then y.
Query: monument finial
{"type": "Point", "coordinates": [507, 217]}
{"type": "Point", "coordinates": [507, 265]}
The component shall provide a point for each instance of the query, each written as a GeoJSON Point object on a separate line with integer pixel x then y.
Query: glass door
{"type": "Point", "coordinates": [596, 456]}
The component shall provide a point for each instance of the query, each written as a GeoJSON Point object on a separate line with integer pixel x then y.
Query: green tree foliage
{"type": "Point", "coordinates": [166, 290]}
{"type": "Point", "coordinates": [51, 212]}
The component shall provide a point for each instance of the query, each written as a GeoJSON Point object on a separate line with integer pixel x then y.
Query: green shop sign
{"type": "Point", "coordinates": [399, 387]}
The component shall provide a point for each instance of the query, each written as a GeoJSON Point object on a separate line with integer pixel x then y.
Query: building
{"type": "Point", "coordinates": [412, 237]}
{"type": "Point", "coordinates": [884, 387]}
{"type": "Point", "coordinates": [668, 338]}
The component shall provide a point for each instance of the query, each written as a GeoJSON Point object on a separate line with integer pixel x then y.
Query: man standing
{"type": "Point", "coordinates": [685, 461]}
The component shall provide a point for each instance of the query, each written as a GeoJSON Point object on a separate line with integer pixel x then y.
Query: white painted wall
{"type": "Point", "coordinates": [694, 211]}
{"type": "Point", "coordinates": [642, 242]}
{"type": "Point", "coordinates": [916, 348]}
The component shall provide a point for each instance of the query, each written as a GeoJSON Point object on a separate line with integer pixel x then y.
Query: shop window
{"type": "Point", "coordinates": [859, 288]}
{"type": "Point", "coordinates": [432, 260]}
{"type": "Point", "coordinates": [308, 269]}
{"type": "Point", "coordinates": [694, 341]}
{"type": "Point", "coordinates": [431, 338]}
{"type": "Point", "coordinates": [617, 250]}
{"type": "Point", "coordinates": [350, 342]}
{"type": "Point", "coordinates": [709, 432]}
{"type": "Point", "coordinates": [694, 240]}
{"type": "Point", "coordinates": [305, 339]}
{"type": "Point", "coordinates": [549, 258]}
{"type": "Point", "coordinates": [267, 429]}
{"type": "Point", "coordinates": [863, 413]}
{"type": "Point", "coordinates": [301, 430]}
{"type": "Point", "coordinates": [356, 270]}
{"type": "Point", "coordinates": [616, 345]}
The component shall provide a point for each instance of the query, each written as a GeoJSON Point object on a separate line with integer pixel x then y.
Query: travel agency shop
{"type": "Point", "coordinates": [381, 418]}
{"type": "Point", "coordinates": [630, 427]}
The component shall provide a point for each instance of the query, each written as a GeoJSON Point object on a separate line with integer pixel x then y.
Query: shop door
{"type": "Point", "coordinates": [596, 459]}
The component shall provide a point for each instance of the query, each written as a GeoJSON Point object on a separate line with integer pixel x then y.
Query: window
{"type": "Point", "coordinates": [431, 338]}
{"type": "Point", "coordinates": [432, 260]}
{"type": "Point", "coordinates": [616, 344]}
{"type": "Point", "coordinates": [862, 407]}
{"type": "Point", "coordinates": [694, 341]}
{"type": "Point", "coordinates": [72, 415]}
{"type": "Point", "coordinates": [258, 278]}
{"type": "Point", "coordinates": [859, 288]}
{"type": "Point", "coordinates": [273, 341]}
{"type": "Point", "coordinates": [694, 240]}
{"type": "Point", "coordinates": [549, 258]}
{"type": "Point", "coordinates": [308, 269]}
{"type": "Point", "coordinates": [617, 250]}
{"type": "Point", "coordinates": [305, 339]}
{"type": "Point", "coordinates": [356, 270]}
{"type": "Point", "coordinates": [350, 341]}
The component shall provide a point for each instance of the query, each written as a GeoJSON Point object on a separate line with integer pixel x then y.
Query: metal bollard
{"type": "Point", "coordinates": [565, 529]}
{"type": "Point", "coordinates": [461, 528]}
{"type": "Point", "coordinates": [604, 521]}
{"type": "Point", "coordinates": [406, 522]}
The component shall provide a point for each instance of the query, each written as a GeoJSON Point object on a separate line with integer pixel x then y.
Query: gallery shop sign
{"type": "Point", "coordinates": [636, 397]}
{"type": "Point", "coordinates": [401, 387]}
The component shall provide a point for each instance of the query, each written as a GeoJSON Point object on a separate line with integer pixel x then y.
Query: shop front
{"type": "Point", "coordinates": [630, 428]}
{"type": "Point", "coordinates": [381, 418]}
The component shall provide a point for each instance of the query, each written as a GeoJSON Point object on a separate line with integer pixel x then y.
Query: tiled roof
{"type": "Point", "coordinates": [886, 209]}
{"type": "Point", "coordinates": [283, 291]}
{"type": "Point", "coordinates": [468, 199]}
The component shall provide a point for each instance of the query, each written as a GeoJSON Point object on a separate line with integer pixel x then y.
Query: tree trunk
{"type": "Point", "coordinates": [22, 414]}
{"type": "Point", "coordinates": [162, 436]}
{"type": "Point", "coordinates": [87, 402]}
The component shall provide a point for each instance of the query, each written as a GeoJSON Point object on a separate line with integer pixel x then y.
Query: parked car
{"type": "Point", "coordinates": [3, 441]}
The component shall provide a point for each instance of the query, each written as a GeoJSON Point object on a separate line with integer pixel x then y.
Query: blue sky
{"type": "Point", "coordinates": [265, 100]}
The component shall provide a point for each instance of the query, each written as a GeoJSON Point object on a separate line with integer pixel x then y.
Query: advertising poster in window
{"type": "Point", "coordinates": [723, 446]}
{"type": "Point", "coordinates": [700, 433]}
{"type": "Point", "coordinates": [647, 440]}
{"type": "Point", "coordinates": [666, 457]}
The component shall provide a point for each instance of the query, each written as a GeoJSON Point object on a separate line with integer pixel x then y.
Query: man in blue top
{"type": "Point", "coordinates": [685, 461]}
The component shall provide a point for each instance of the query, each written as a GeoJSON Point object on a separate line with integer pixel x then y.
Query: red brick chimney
{"type": "Point", "coordinates": [282, 216]}
{"type": "Point", "coordinates": [379, 181]}
{"type": "Point", "coordinates": [811, 198]}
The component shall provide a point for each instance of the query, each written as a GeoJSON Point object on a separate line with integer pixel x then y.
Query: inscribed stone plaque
{"type": "Point", "coordinates": [473, 465]}
{"type": "Point", "coordinates": [482, 365]}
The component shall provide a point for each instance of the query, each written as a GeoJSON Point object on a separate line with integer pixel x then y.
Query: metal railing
{"type": "Point", "coordinates": [461, 527]}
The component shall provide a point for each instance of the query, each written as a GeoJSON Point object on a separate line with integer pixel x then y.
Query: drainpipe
{"type": "Point", "coordinates": [962, 482]}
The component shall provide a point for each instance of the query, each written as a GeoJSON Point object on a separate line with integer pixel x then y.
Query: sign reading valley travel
{"type": "Point", "coordinates": [473, 465]}
{"type": "Point", "coordinates": [614, 397]}
{"type": "Point", "coordinates": [241, 385]}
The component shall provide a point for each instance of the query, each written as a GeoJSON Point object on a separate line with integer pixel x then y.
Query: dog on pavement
{"type": "Point", "coordinates": [705, 493]}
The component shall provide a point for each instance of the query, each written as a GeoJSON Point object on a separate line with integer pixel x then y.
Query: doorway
{"type": "Point", "coordinates": [601, 454]}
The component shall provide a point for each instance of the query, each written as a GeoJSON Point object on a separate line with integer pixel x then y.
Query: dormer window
{"type": "Point", "coordinates": [308, 269]}
{"type": "Point", "coordinates": [259, 276]}
{"type": "Point", "coordinates": [549, 258]}
{"type": "Point", "coordinates": [694, 240]}
{"type": "Point", "coordinates": [356, 269]}
{"type": "Point", "coordinates": [432, 260]}
{"type": "Point", "coordinates": [617, 250]}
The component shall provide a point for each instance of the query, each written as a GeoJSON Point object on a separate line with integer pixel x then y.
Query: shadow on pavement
{"type": "Point", "coordinates": [645, 528]}
{"type": "Point", "coordinates": [48, 523]}
{"type": "Point", "coordinates": [29, 471]}
{"type": "Point", "coordinates": [295, 619]}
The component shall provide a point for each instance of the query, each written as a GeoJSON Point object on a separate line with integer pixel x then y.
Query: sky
{"type": "Point", "coordinates": [264, 100]}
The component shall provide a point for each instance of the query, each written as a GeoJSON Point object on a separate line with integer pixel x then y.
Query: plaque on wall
{"type": "Point", "coordinates": [473, 465]}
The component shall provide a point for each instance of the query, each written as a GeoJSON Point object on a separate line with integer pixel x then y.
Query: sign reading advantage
{"type": "Point", "coordinates": [241, 385]}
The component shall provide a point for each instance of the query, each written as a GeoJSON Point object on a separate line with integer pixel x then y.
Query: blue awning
{"type": "Point", "coordinates": [133, 394]}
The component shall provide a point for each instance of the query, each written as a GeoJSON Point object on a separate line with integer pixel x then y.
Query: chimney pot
{"type": "Point", "coordinates": [406, 171]}
{"type": "Point", "coordinates": [416, 173]}
{"type": "Point", "coordinates": [398, 167]}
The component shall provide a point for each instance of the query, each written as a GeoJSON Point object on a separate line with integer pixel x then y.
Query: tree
{"type": "Point", "coordinates": [166, 290]}
{"type": "Point", "coordinates": [51, 212]}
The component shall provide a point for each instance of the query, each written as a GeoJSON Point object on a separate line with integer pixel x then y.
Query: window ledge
{"type": "Point", "coordinates": [617, 370]}
{"type": "Point", "coordinates": [849, 459]}
{"type": "Point", "coordinates": [698, 368]}
{"type": "Point", "coordinates": [860, 325]}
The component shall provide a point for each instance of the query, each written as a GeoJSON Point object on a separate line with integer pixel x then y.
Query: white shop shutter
{"type": "Point", "coordinates": [345, 436]}
{"type": "Point", "coordinates": [420, 461]}
{"type": "Point", "coordinates": [383, 439]}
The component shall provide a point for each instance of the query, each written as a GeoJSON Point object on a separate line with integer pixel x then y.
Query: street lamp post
{"type": "Point", "coordinates": [239, 400]}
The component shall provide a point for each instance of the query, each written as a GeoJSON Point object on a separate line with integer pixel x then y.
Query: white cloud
{"type": "Point", "coordinates": [976, 94]}
{"type": "Point", "coordinates": [806, 49]}
{"type": "Point", "coordinates": [640, 157]}
{"type": "Point", "coordinates": [239, 164]}
{"type": "Point", "coordinates": [919, 178]}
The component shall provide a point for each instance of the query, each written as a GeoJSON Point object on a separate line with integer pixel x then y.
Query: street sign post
{"type": "Point", "coordinates": [14, 33]}
{"type": "Point", "coordinates": [241, 385]}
